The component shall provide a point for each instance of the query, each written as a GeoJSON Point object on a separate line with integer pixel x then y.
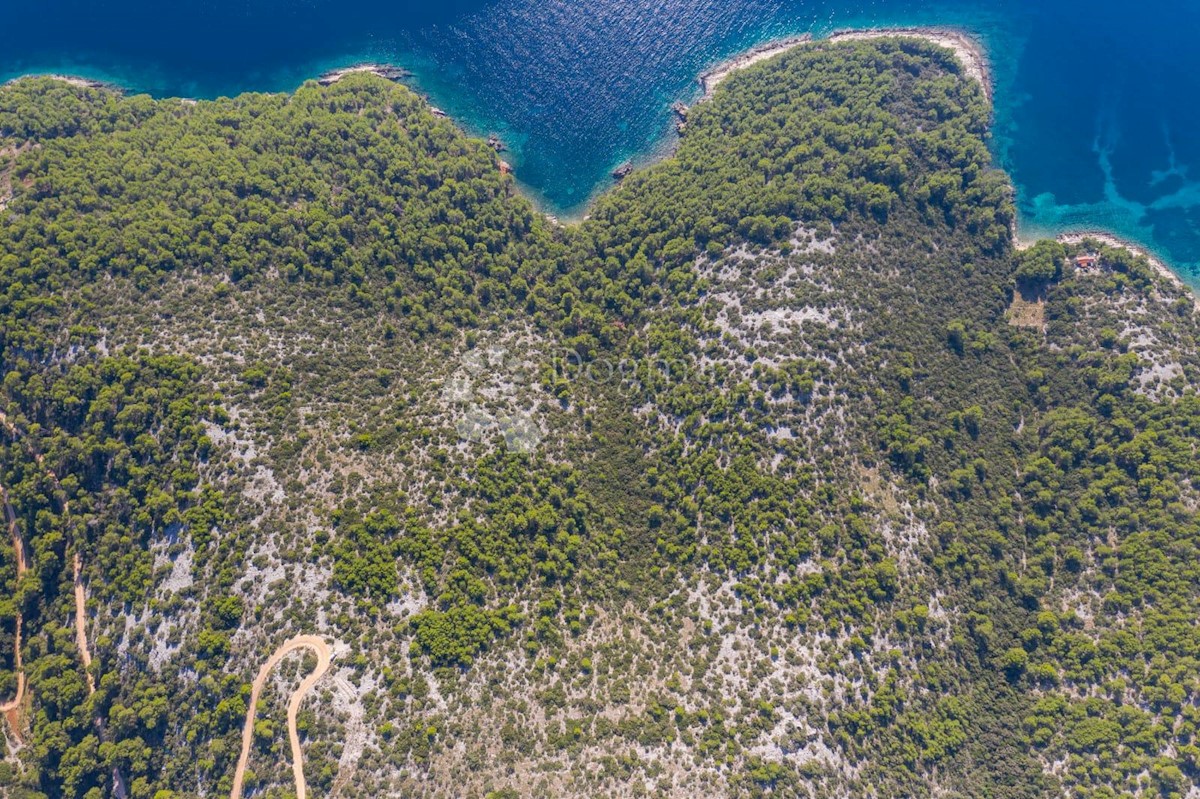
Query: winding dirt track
{"type": "Point", "coordinates": [324, 654]}
{"type": "Point", "coordinates": [81, 641]}
{"type": "Point", "coordinates": [11, 709]}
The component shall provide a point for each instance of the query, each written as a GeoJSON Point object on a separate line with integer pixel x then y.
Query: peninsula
{"type": "Point", "coordinates": [966, 47]}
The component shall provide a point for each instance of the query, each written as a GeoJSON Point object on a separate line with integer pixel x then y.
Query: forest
{"type": "Point", "coordinates": [885, 506]}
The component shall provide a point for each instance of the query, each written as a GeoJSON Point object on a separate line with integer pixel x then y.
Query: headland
{"type": "Point", "coordinates": [966, 47]}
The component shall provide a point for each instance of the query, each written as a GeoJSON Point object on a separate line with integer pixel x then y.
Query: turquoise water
{"type": "Point", "coordinates": [1095, 112]}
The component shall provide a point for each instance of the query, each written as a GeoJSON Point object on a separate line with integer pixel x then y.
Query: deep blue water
{"type": "Point", "coordinates": [1097, 116]}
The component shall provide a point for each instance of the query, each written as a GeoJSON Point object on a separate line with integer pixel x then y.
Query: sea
{"type": "Point", "coordinates": [1097, 117]}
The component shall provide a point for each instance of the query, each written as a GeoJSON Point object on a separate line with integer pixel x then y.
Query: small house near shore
{"type": "Point", "coordinates": [1087, 262]}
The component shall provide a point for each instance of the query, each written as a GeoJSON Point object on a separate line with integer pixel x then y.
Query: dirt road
{"type": "Point", "coordinates": [11, 709]}
{"type": "Point", "coordinates": [81, 641]}
{"type": "Point", "coordinates": [324, 654]}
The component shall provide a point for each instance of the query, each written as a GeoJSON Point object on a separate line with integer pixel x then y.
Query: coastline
{"type": "Point", "coordinates": [73, 80]}
{"type": "Point", "coordinates": [709, 79]}
{"type": "Point", "coordinates": [385, 71]}
{"type": "Point", "coordinates": [972, 56]}
{"type": "Point", "coordinates": [966, 47]}
{"type": "Point", "coordinates": [1113, 240]}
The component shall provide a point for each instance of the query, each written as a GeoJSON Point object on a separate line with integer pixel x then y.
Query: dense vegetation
{"type": "Point", "coordinates": [835, 492]}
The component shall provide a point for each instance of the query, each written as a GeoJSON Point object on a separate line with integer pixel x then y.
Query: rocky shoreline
{"type": "Point", "coordinates": [966, 47]}
{"type": "Point", "coordinates": [969, 51]}
{"type": "Point", "coordinates": [709, 79]}
{"type": "Point", "coordinates": [385, 71]}
{"type": "Point", "coordinates": [74, 80]}
{"type": "Point", "coordinates": [1113, 240]}
{"type": "Point", "coordinates": [973, 57]}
